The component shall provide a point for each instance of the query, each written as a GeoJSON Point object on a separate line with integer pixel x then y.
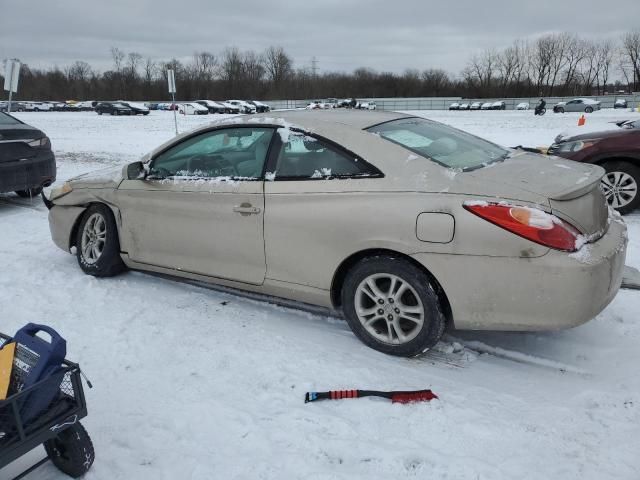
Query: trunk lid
{"type": "Point", "coordinates": [569, 188]}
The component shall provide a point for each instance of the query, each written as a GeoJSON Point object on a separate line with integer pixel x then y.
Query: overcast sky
{"type": "Point", "coordinates": [341, 34]}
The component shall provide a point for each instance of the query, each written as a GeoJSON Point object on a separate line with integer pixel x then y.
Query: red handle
{"type": "Point", "coordinates": [340, 394]}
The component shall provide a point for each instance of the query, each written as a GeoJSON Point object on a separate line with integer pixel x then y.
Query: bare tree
{"type": "Point", "coordinates": [631, 55]}
{"type": "Point", "coordinates": [278, 66]}
{"type": "Point", "coordinates": [118, 57]}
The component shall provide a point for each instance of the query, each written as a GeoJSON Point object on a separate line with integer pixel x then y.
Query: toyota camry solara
{"type": "Point", "coordinates": [404, 224]}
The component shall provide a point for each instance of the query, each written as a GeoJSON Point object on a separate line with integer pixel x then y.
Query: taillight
{"type": "Point", "coordinates": [530, 223]}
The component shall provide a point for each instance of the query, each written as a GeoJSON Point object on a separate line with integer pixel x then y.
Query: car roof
{"type": "Point", "coordinates": [345, 127]}
{"type": "Point", "coordinates": [334, 118]}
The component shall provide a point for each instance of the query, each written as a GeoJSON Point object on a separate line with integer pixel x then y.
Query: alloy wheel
{"type": "Point", "coordinates": [620, 188]}
{"type": "Point", "coordinates": [389, 308]}
{"type": "Point", "coordinates": [94, 237]}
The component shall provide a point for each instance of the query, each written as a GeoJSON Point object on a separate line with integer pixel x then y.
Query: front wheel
{"type": "Point", "coordinates": [97, 243]}
{"type": "Point", "coordinates": [588, 110]}
{"type": "Point", "coordinates": [560, 110]}
{"type": "Point", "coordinates": [620, 186]}
{"type": "Point", "coordinates": [391, 306]}
{"type": "Point", "coordinates": [71, 451]}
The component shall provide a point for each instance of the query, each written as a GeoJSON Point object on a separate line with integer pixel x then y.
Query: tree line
{"type": "Point", "coordinates": [554, 64]}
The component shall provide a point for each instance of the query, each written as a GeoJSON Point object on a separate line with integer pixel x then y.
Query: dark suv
{"type": "Point", "coordinates": [113, 108]}
{"type": "Point", "coordinates": [26, 161]}
{"type": "Point", "coordinates": [618, 151]}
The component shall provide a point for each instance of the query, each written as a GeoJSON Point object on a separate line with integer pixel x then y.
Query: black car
{"type": "Point", "coordinates": [26, 161]}
{"type": "Point", "coordinates": [136, 108]}
{"type": "Point", "coordinates": [113, 108]}
{"type": "Point", "coordinates": [260, 107]}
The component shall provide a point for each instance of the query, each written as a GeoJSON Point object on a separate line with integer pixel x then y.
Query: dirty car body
{"type": "Point", "coordinates": [297, 206]}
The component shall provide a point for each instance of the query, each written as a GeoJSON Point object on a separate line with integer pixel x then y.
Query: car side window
{"type": "Point", "coordinates": [303, 157]}
{"type": "Point", "coordinates": [238, 153]}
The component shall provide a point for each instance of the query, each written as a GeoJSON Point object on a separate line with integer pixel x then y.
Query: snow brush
{"type": "Point", "coordinates": [411, 396]}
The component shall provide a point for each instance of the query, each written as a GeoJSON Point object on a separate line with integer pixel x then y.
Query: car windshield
{"type": "Point", "coordinates": [8, 119]}
{"type": "Point", "coordinates": [445, 145]}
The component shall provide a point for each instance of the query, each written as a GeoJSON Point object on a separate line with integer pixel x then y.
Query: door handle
{"type": "Point", "coordinates": [246, 209]}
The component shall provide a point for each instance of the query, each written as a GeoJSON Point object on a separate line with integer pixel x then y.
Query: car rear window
{"type": "Point", "coordinates": [444, 145]}
{"type": "Point", "coordinates": [8, 119]}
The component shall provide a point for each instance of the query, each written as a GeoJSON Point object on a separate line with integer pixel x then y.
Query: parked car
{"type": "Point", "coordinates": [523, 106]}
{"type": "Point", "coordinates": [618, 152]}
{"type": "Point", "coordinates": [475, 106]}
{"type": "Point", "coordinates": [136, 108]}
{"type": "Point", "coordinates": [15, 107]}
{"type": "Point", "coordinates": [499, 105]}
{"type": "Point", "coordinates": [230, 107]}
{"type": "Point", "coordinates": [27, 162]}
{"type": "Point", "coordinates": [366, 106]}
{"type": "Point", "coordinates": [67, 107]}
{"type": "Point", "coordinates": [464, 106]}
{"type": "Point", "coordinates": [585, 105]}
{"type": "Point", "coordinates": [192, 109]}
{"type": "Point", "coordinates": [244, 106]}
{"type": "Point", "coordinates": [38, 107]}
{"type": "Point", "coordinates": [153, 106]}
{"type": "Point", "coordinates": [113, 108]}
{"type": "Point", "coordinates": [213, 107]}
{"type": "Point", "coordinates": [87, 106]}
{"type": "Point", "coordinates": [260, 107]}
{"type": "Point", "coordinates": [620, 103]}
{"type": "Point", "coordinates": [487, 106]}
{"type": "Point", "coordinates": [293, 209]}
{"type": "Point", "coordinates": [454, 106]}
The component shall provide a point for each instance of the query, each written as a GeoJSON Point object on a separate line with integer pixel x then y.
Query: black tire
{"type": "Point", "coordinates": [434, 320]}
{"type": "Point", "coordinates": [30, 193]}
{"type": "Point", "coordinates": [71, 451]}
{"type": "Point", "coordinates": [588, 110]}
{"type": "Point", "coordinates": [634, 172]}
{"type": "Point", "coordinates": [560, 110]}
{"type": "Point", "coordinates": [108, 262]}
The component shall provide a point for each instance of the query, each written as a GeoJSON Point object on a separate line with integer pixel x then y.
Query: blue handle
{"type": "Point", "coordinates": [32, 328]}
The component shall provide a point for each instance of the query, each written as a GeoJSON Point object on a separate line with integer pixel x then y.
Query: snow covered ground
{"type": "Point", "coordinates": [191, 383]}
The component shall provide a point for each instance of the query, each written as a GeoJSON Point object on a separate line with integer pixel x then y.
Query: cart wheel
{"type": "Point", "coordinates": [71, 451]}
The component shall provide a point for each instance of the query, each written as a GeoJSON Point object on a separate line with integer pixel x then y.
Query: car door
{"type": "Point", "coordinates": [315, 195]}
{"type": "Point", "coordinates": [200, 209]}
{"type": "Point", "coordinates": [574, 106]}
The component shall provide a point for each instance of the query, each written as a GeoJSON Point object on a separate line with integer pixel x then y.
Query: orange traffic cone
{"type": "Point", "coordinates": [581, 120]}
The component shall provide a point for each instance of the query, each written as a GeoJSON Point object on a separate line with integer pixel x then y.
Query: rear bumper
{"type": "Point", "coordinates": [552, 292]}
{"type": "Point", "coordinates": [28, 173]}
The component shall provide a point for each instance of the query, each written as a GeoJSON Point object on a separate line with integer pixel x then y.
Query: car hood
{"type": "Point", "coordinates": [569, 189]}
{"type": "Point", "coordinates": [109, 177]}
{"type": "Point", "coordinates": [595, 134]}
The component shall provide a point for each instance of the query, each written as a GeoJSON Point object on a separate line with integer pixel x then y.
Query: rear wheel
{"type": "Point", "coordinates": [97, 243]}
{"type": "Point", "coordinates": [71, 451]}
{"type": "Point", "coordinates": [620, 185]}
{"type": "Point", "coordinates": [391, 306]}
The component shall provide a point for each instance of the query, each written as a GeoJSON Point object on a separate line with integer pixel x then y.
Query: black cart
{"type": "Point", "coordinates": [57, 427]}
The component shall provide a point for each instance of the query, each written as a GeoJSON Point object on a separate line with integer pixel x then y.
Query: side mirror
{"type": "Point", "coordinates": [135, 171]}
